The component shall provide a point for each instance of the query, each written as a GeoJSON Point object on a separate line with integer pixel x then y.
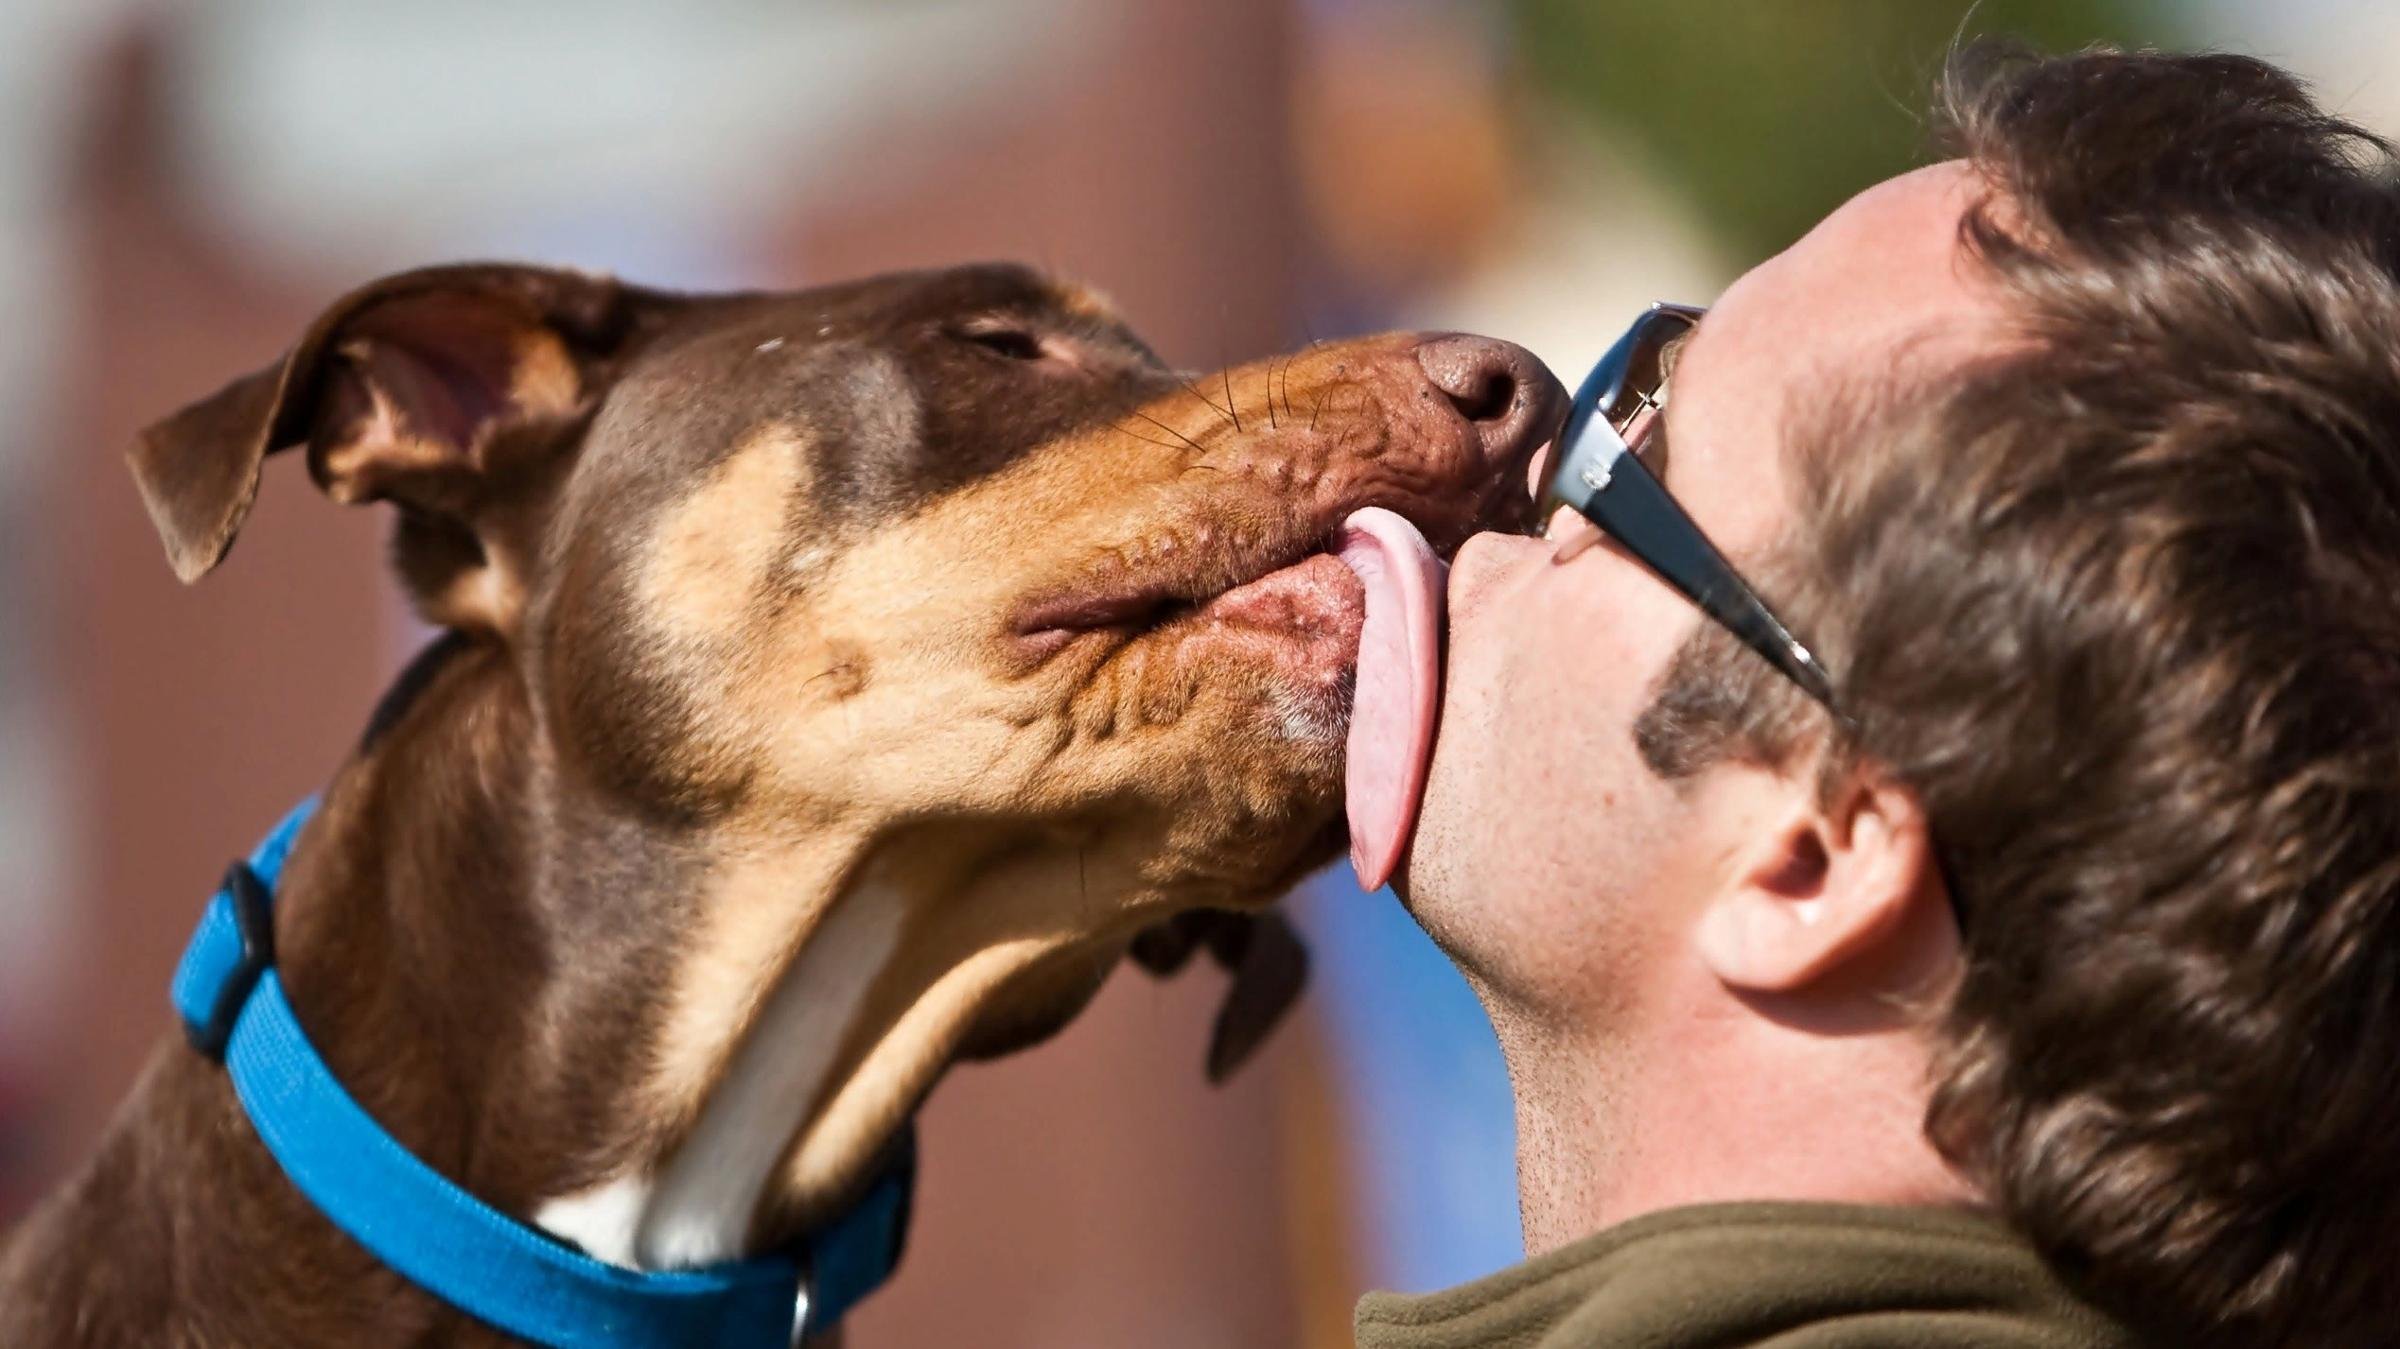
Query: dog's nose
{"type": "Point", "coordinates": [1504, 391]}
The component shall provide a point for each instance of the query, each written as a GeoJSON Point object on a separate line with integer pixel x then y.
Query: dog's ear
{"type": "Point", "coordinates": [1264, 956]}
{"type": "Point", "coordinates": [434, 389]}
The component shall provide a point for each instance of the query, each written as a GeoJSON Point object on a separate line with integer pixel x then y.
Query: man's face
{"type": "Point", "coordinates": [1553, 865]}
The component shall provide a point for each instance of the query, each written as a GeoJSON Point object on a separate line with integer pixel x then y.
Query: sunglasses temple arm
{"type": "Point", "coordinates": [1636, 510]}
{"type": "Point", "coordinates": [1753, 623]}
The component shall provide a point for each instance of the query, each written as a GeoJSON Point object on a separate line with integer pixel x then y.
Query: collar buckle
{"type": "Point", "coordinates": [800, 1300]}
{"type": "Point", "coordinates": [254, 923]}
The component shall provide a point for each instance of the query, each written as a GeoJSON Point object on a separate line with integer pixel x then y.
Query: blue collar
{"type": "Point", "coordinates": [448, 1242]}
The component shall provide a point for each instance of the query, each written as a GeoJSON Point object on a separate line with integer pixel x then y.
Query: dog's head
{"type": "Point", "coordinates": [947, 565]}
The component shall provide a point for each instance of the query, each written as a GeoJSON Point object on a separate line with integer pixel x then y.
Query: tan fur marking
{"type": "Point", "coordinates": [384, 445]}
{"type": "Point", "coordinates": [756, 912]}
{"type": "Point", "coordinates": [974, 926]}
{"type": "Point", "coordinates": [867, 1106]}
{"type": "Point", "coordinates": [777, 1068]}
{"type": "Point", "coordinates": [1087, 302]}
{"type": "Point", "coordinates": [542, 378]}
{"type": "Point", "coordinates": [713, 548]}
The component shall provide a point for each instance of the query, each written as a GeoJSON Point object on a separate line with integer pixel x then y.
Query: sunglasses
{"type": "Point", "coordinates": [1597, 469]}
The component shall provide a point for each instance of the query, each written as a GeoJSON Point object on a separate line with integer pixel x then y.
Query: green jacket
{"type": "Point", "coordinates": [1779, 1276]}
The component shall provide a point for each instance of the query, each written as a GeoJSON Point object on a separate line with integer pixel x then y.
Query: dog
{"type": "Point", "coordinates": [833, 685]}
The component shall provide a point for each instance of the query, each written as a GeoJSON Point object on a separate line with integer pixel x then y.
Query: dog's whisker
{"type": "Point", "coordinates": [1194, 391]}
{"type": "Point", "coordinates": [1122, 429]}
{"type": "Point", "coordinates": [1230, 409]}
{"type": "Point", "coordinates": [1272, 424]}
{"type": "Point", "coordinates": [1196, 445]}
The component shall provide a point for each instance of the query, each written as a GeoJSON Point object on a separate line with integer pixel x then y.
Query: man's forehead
{"type": "Point", "coordinates": [1886, 269]}
{"type": "Point", "coordinates": [1883, 280]}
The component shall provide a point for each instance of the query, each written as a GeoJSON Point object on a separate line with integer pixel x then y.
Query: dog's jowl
{"type": "Point", "coordinates": [836, 683]}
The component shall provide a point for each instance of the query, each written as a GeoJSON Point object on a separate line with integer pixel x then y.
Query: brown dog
{"type": "Point", "coordinates": [836, 683]}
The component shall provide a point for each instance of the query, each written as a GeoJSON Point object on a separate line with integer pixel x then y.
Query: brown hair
{"type": "Point", "coordinates": [2122, 605]}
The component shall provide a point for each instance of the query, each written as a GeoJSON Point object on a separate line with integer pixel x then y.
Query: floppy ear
{"type": "Point", "coordinates": [1267, 962]}
{"type": "Point", "coordinates": [434, 389]}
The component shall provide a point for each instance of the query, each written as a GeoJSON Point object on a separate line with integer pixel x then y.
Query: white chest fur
{"type": "Point", "coordinates": [697, 1207]}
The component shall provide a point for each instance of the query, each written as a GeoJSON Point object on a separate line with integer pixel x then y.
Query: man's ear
{"type": "Point", "coordinates": [1828, 884]}
{"type": "Point", "coordinates": [439, 390]}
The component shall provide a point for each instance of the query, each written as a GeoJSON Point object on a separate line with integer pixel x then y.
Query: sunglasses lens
{"type": "Point", "coordinates": [1596, 468]}
{"type": "Point", "coordinates": [1642, 380]}
{"type": "Point", "coordinates": [1624, 385]}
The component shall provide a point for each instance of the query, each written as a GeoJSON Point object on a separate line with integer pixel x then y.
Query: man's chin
{"type": "Point", "coordinates": [1429, 894]}
{"type": "Point", "coordinates": [1428, 880]}
{"type": "Point", "coordinates": [1421, 842]}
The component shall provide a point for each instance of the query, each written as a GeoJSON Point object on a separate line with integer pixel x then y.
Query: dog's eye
{"type": "Point", "coordinates": [1015, 343]}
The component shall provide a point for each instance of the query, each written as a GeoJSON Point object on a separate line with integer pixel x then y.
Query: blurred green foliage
{"type": "Point", "coordinates": [1767, 114]}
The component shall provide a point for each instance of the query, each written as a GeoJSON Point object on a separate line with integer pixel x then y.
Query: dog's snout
{"type": "Point", "coordinates": [1504, 392]}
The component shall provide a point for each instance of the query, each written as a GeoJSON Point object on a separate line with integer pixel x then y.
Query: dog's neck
{"type": "Point", "coordinates": [669, 1050]}
{"type": "Point", "coordinates": [671, 1043]}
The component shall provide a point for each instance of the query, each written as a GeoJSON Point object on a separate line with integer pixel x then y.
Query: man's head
{"type": "Point", "coordinates": [2077, 461]}
{"type": "Point", "coordinates": [1551, 664]}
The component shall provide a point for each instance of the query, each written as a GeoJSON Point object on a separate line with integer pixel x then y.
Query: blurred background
{"type": "Point", "coordinates": [182, 186]}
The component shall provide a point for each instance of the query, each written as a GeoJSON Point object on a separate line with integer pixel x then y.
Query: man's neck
{"type": "Point", "coordinates": [1716, 1109]}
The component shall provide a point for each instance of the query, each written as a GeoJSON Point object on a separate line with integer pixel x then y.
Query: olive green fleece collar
{"type": "Point", "coordinates": [1761, 1276]}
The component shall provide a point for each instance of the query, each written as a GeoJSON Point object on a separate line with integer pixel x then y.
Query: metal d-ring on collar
{"type": "Point", "coordinates": [453, 1245]}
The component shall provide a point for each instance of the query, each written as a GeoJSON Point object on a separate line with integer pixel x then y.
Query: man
{"type": "Point", "coordinates": [2009, 952]}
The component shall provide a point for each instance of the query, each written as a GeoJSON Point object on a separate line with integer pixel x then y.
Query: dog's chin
{"type": "Point", "coordinates": [1273, 666]}
{"type": "Point", "coordinates": [1294, 632]}
{"type": "Point", "coordinates": [1258, 679]}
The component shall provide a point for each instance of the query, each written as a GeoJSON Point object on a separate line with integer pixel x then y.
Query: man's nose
{"type": "Point", "coordinates": [1507, 396]}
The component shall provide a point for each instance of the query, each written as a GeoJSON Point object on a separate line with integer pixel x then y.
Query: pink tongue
{"type": "Point", "coordinates": [1399, 655]}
